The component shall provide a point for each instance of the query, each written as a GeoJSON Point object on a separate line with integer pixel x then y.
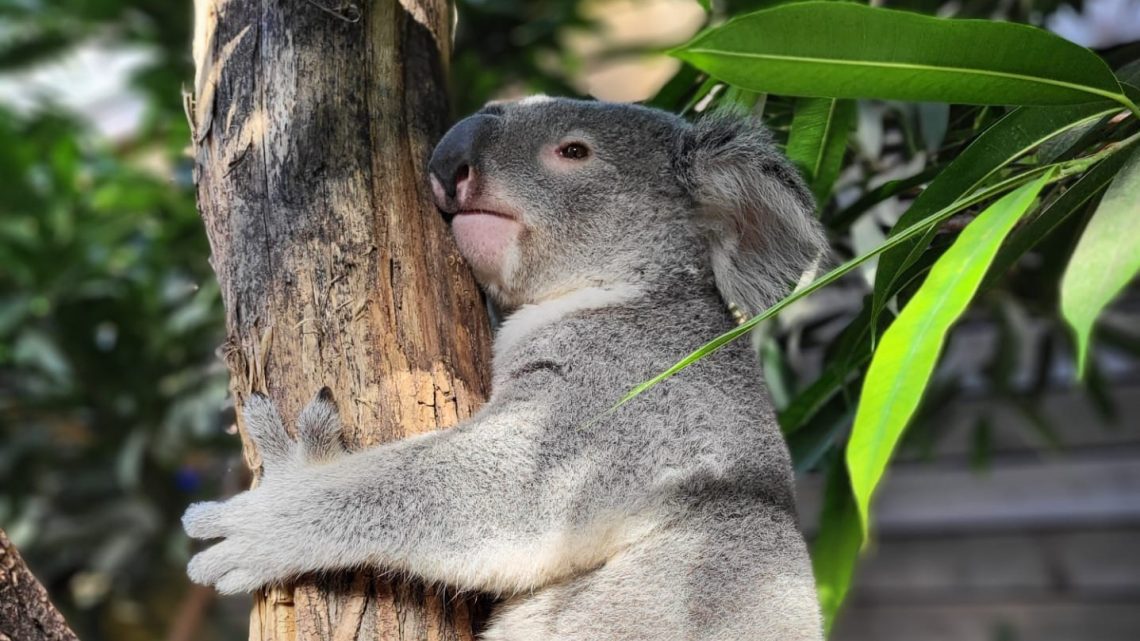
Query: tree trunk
{"type": "Point", "coordinates": [26, 612]}
{"type": "Point", "coordinates": [312, 123]}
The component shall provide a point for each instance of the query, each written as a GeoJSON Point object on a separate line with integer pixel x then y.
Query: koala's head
{"type": "Point", "coordinates": [551, 195]}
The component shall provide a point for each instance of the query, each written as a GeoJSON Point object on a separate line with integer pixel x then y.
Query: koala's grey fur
{"type": "Point", "coordinates": [672, 517]}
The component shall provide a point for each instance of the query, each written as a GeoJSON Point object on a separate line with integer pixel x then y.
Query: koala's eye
{"type": "Point", "coordinates": [574, 151]}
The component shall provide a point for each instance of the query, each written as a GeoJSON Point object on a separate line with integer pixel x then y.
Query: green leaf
{"type": "Point", "coordinates": [847, 356]}
{"type": "Point", "coordinates": [1003, 142]}
{"type": "Point", "coordinates": [675, 92]}
{"type": "Point", "coordinates": [741, 101]}
{"type": "Point", "coordinates": [847, 50]}
{"type": "Point", "coordinates": [818, 139]}
{"type": "Point", "coordinates": [933, 122]}
{"type": "Point", "coordinates": [823, 431]}
{"type": "Point", "coordinates": [836, 547]}
{"type": "Point", "coordinates": [1107, 257]}
{"type": "Point", "coordinates": [807, 403]}
{"type": "Point", "coordinates": [905, 358]}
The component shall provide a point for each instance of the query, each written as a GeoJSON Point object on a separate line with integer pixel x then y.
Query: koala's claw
{"type": "Point", "coordinates": [265, 429]}
{"type": "Point", "coordinates": [319, 428]}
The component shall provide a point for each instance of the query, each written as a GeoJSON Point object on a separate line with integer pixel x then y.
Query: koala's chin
{"type": "Point", "coordinates": [489, 243]}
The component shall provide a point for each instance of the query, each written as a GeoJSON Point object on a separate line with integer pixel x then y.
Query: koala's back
{"type": "Point", "coordinates": [697, 461]}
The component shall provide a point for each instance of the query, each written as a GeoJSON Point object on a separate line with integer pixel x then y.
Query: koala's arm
{"type": "Point", "coordinates": [478, 506]}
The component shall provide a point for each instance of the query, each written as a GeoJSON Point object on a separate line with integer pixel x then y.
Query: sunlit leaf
{"type": "Point", "coordinates": [905, 358]}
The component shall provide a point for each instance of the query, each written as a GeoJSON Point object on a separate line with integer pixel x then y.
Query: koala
{"type": "Point", "coordinates": [615, 238]}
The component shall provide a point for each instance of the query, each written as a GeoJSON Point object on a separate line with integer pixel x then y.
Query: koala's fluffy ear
{"type": "Point", "coordinates": [758, 213]}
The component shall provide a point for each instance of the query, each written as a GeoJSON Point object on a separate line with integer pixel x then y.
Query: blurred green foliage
{"type": "Point", "coordinates": [108, 385]}
{"type": "Point", "coordinates": [111, 398]}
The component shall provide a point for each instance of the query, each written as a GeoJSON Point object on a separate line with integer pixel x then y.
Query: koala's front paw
{"type": "Point", "coordinates": [261, 528]}
{"type": "Point", "coordinates": [246, 559]}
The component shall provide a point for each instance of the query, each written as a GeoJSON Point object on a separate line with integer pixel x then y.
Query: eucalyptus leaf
{"type": "Point", "coordinates": [848, 50]}
{"type": "Point", "coordinates": [933, 122]}
{"type": "Point", "coordinates": [740, 101]}
{"type": "Point", "coordinates": [850, 353]}
{"type": "Point", "coordinates": [1106, 258]}
{"type": "Point", "coordinates": [836, 547]}
{"type": "Point", "coordinates": [675, 92]}
{"type": "Point", "coordinates": [847, 353]}
{"type": "Point", "coordinates": [904, 360]}
{"type": "Point", "coordinates": [818, 139]}
{"type": "Point", "coordinates": [810, 444]}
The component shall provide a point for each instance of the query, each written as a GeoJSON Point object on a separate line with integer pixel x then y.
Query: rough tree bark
{"type": "Point", "coordinates": [312, 123]}
{"type": "Point", "coordinates": [26, 612]}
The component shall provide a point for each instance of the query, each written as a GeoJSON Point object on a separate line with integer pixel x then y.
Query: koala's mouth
{"type": "Point", "coordinates": [486, 212]}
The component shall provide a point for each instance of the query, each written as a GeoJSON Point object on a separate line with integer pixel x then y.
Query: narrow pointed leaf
{"type": "Point", "coordinates": [904, 360]}
{"type": "Point", "coordinates": [1008, 139]}
{"type": "Point", "coordinates": [933, 122]}
{"type": "Point", "coordinates": [1107, 256]}
{"type": "Point", "coordinates": [807, 403]}
{"type": "Point", "coordinates": [818, 139]}
{"type": "Point", "coordinates": [836, 547]}
{"type": "Point", "coordinates": [675, 92]}
{"type": "Point", "coordinates": [847, 50]}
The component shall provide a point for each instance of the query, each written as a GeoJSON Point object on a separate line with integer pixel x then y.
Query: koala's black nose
{"type": "Point", "coordinates": [454, 156]}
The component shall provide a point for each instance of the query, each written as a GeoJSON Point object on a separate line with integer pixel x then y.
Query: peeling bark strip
{"type": "Point", "coordinates": [312, 123]}
{"type": "Point", "coordinates": [26, 612]}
